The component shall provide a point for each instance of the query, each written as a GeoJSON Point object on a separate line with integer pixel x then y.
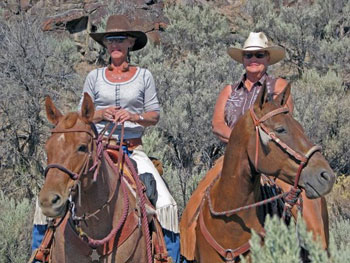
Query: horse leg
{"type": "Point", "coordinates": [315, 215]}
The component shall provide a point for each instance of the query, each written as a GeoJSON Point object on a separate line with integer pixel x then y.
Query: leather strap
{"type": "Point", "coordinates": [160, 252]}
{"type": "Point", "coordinates": [131, 143]}
{"type": "Point", "coordinates": [131, 224]}
{"type": "Point", "coordinates": [229, 255]}
{"type": "Point", "coordinates": [43, 252]}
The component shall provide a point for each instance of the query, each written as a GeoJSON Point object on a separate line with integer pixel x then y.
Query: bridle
{"type": "Point", "coordinates": [95, 142]}
{"type": "Point", "coordinates": [261, 127]}
{"type": "Point", "coordinates": [291, 197]}
{"type": "Point", "coordinates": [84, 168]}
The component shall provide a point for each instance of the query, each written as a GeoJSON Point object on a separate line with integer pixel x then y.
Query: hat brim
{"type": "Point", "coordinates": [276, 53]}
{"type": "Point", "coordinates": [140, 38]}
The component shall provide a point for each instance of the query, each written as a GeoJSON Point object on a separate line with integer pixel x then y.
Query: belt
{"type": "Point", "coordinates": [133, 143]}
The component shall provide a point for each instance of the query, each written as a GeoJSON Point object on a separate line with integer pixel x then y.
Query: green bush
{"type": "Point", "coordinates": [190, 69]}
{"type": "Point", "coordinates": [33, 65]}
{"type": "Point", "coordinates": [322, 107]}
{"type": "Point", "coordinates": [282, 243]}
{"type": "Point", "coordinates": [15, 229]}
{"type": "Point", "coordinates": [313, 34]}
{"type": "Point", "coordinates": [192, 66]}
{"type": "Point", "coordinates": [338, 199]}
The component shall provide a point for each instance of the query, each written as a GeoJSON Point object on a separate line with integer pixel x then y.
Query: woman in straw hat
{"type": "Point", "coordinates": [127, 94]}
{"type": "Point", "coordinates": [234, 100]}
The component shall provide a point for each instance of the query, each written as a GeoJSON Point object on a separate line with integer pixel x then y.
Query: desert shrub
{"type": "Point", "coordinates": [282, 243]}
{"type": "Point", "coordinates": [340, 231]}
{"type": "Point", "coordinates": [190, 69]}
{"type": "Point", "coordinates": [15, 229]}
{"type": "Point", "coordinates": [338, 199]}
{"type": "Point", "coordinates": [321, 105]}
{"type": "Point", "coordinates": [333, 52]}
{"type": "Point", "coordinates": [33, 64]}
{"type": "Point", "coordinates": [192, 66]}
{"type": "Point", "coordinates": [313, 33]}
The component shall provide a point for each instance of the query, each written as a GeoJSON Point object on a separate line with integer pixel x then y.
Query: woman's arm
{"type": "Point", "coordinates": [219, 126]}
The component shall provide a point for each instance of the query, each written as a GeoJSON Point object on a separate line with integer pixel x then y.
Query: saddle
{"type": "Point", "coordinates": [158, 243]}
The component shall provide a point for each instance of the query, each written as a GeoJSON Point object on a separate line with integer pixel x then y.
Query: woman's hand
{"type": "Point", "coordinates": [123, 115]}
{"type": "Point", "coordinates": [108, 114]}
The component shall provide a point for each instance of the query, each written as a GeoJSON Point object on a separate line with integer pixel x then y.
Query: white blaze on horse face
{"type": "Point", "coordinates": [61, 138]}
{"type": "Point", "coordinates": [265, 138]}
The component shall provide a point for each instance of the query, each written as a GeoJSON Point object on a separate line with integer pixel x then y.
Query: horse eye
{"type": "Point", "coordinates": [83, 148]}
{"type": "Point", "coordinates": [280, 130]}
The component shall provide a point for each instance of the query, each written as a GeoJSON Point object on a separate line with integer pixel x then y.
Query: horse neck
{"type": "Point", "coordinates": [96, 196]}
{"type": "Point", "coordinates": [239, 184]}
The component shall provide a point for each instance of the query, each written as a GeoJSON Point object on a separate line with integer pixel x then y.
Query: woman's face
{"type": "Point", "coordinates": [118, 46]}
{"type": "Point", "coordinates": [256, 61]}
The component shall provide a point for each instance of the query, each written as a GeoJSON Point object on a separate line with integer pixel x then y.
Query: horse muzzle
{"type": "Point", "coordinates": [317, 181]}
{"type": "Point", "coordinates": [52, 204]}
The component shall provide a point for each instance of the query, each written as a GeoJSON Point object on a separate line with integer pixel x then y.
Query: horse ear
{"type": "Point", "coordinates": [87, 108]}
{"type": "Point", "coordinates": [52, 113]}
{"type": "Point", "coordinates": [262, 97]}
{"type": "Point", "coordinates": [282, 98]}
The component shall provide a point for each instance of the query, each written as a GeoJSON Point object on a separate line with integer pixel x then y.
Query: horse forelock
{"type": "Point", "coordinates": [70, 120]}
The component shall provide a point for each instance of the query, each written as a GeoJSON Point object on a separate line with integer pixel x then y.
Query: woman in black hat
{"type": "Point", "coordinates": [126, 94]}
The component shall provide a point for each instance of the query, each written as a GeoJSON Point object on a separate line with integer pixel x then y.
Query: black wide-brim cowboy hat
{"type": "Point", "coordinates": [119, 25]}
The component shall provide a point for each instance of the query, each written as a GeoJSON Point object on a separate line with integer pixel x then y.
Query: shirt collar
{"type": "Point", "coordinates": [259, 83]}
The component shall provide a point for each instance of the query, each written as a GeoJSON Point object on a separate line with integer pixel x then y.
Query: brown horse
{"type": "Point", "coordinates": [223, 232]}
{"type": "Point", "coordinates": [102, 199]}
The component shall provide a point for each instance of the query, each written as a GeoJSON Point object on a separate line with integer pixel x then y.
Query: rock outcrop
{"type": "Point", "coordinates": [78, 18]}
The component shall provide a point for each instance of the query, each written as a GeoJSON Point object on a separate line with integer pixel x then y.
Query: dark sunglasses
{"type": "Point", "coordinates": [109, 40]}
{"type": "Point", "coordinates": [257, 55]}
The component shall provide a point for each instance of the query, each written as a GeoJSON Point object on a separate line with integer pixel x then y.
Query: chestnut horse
{"type": "Point", "coordinates": [102, 199]}
{"type": "Point", "coordinates": [266, 140]}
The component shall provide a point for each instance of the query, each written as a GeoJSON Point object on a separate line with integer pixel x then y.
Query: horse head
{"type": "Point", "coordinates": [69, 149]}
{"type": "Point", "coordinates": [280, 148]}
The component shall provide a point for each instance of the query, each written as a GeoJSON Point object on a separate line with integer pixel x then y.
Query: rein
{"type": "Point", "coordinates": [100, 147]}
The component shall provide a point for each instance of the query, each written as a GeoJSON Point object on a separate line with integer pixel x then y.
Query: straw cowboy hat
{"type": "Point", "coordinates": [119, 25]}
{"type": "Point", "coordinates": [257, 42]}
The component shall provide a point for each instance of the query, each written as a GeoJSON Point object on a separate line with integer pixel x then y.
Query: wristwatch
{"type": "Point", "coordinates": [141, 118]}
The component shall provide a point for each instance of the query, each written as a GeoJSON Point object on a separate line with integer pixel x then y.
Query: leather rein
{"type": "Point", "coordinates": [291, 197]}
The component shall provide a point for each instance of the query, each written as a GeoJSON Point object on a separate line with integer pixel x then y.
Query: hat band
{"type": "Point", "coordinates": [117, 30]}
{"type": "Point", "coordinates": [116, 37]}
{"type": "Point", "coordinates": [254, 47]}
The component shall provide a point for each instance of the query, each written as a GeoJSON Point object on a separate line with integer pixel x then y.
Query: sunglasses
{"type": "Point", "coordinates": [109, 40]}
{"type": "Point", "coordinates": [258, 55]}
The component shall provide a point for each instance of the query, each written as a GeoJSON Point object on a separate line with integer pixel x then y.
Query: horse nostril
{"type": "Point", "coordinates": [326, 176]}
{"type": "Point", "coordinates": [55, 199]}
